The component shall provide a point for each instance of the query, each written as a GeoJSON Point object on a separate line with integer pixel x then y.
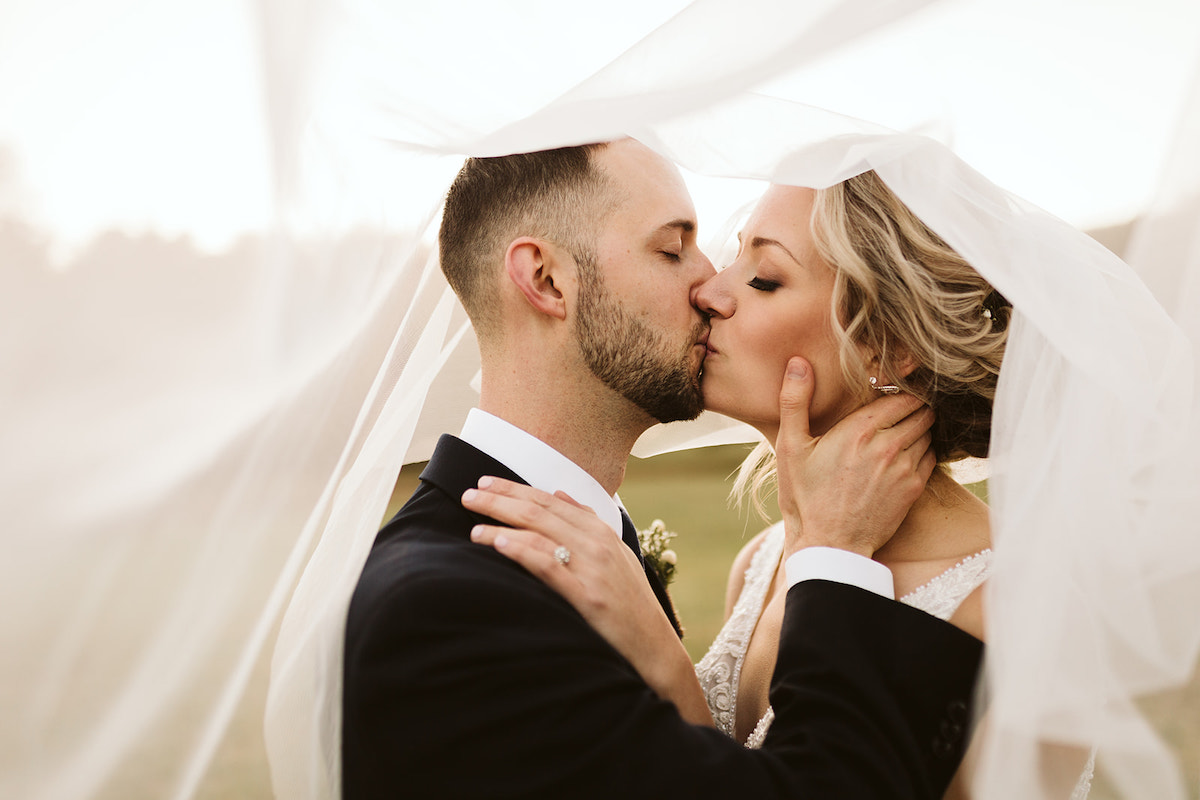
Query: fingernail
{"type": "Point", "coordinates": [469, 495]}
{"type": "Point", "coordinates": [476, 533]}
{"type": "Point", "coordinates": [485, 482]}
{"type": "Point", "coordinates": [501, 542]}
{"type": "Point", "coordinates": [796, 368]}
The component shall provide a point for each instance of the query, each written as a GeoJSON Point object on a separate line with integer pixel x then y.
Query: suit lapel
{"type": "Point", "coordinates": [456, 466]}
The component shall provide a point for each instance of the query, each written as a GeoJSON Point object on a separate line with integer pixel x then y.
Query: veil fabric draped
{"type": "Point", "coordinates": [195, 444]}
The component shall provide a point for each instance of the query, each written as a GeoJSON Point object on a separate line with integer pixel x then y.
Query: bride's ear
{"type": "Point", "coordinates": [534, 267]}
{"type": "Point", "coordinates": [900, 364]}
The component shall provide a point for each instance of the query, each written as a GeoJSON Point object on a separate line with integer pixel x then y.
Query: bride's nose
{"type": "Point", "coordinates": [713, 296]}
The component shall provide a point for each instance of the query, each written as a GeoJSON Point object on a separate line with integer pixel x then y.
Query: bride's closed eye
{"type": "Point", "coordinates": [762, 284]}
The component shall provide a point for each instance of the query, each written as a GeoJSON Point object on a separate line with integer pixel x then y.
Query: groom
{"type": "Point", "coordinates": [465, 676]}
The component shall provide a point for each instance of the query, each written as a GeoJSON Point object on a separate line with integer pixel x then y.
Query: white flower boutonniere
{"type": "Point", "coordinates": [655, 542]}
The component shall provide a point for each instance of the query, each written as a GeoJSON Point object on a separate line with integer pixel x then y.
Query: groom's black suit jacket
{"type": "Point", "coordinates": [465, 676]}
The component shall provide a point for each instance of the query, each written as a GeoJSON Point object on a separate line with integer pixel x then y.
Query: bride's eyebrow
{"type": "Point", "coordinates": [762, 241]}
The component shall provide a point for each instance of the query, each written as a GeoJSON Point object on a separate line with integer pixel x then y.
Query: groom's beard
{"type": "Point", "coordinates": [633, 359]}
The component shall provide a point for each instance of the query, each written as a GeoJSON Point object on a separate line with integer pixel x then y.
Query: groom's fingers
{"type": "Point", "coordinates": [910, 430]}
{"type": "Point", "coordinates": [794, 399]}
{"type": "Point", "coordinates": [887, 411]}
{"type": "Point", "coordinates": [922, 445]}
{"type": "Point", "coordinates": [926, 465]}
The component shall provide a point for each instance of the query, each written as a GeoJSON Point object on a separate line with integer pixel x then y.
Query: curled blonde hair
{"type": "Point", "coordinates": [904, 294]}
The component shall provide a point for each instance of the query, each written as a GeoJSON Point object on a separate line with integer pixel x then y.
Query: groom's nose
{"type": "Point", "coordinates": [705, 272]}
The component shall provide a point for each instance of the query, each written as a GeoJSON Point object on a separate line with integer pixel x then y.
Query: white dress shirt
{"type": "Point", "coordinates": [543, 467]}
{"type": "Point", "coordinates": [539, 464]}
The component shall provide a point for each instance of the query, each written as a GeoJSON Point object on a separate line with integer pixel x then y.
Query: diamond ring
{"type": "Point", "coordinates": [562, 555]}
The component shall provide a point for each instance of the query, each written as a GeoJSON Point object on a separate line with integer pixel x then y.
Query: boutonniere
{"type": "Point", "coordinates": [655, 542]}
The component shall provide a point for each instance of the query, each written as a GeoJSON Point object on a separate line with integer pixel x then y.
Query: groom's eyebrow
{"type": "Point", "coordinates": [685, 225]}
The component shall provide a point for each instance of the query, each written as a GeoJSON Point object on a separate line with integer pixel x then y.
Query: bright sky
{"type": "Point", "coordinates": [149, 114]}
{"type": "Point", "coordinates": [135, 111]}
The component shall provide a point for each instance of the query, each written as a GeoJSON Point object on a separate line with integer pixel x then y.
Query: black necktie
{"type": "Point", "coordinates": [629, 536]}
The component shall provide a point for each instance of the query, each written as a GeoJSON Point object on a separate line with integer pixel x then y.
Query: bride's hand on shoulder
{"type": "Point", "coordinates": [595, 571]}
{"type": "Point", "coordinates": [566, 546]}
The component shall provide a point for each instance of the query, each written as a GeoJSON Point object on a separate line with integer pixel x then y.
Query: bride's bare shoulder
{"type": "Point", "coordinates": [737, 572]}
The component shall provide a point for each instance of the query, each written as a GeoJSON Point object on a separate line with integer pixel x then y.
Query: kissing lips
{"type": "Point", "coordinates": [702, 343]}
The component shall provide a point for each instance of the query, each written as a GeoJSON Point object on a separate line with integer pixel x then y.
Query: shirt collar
{"type": "Point", "coordinates": [539, 464]}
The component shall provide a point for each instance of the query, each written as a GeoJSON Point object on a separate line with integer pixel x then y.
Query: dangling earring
{"type": "Point", "coordinates": [885, 389]}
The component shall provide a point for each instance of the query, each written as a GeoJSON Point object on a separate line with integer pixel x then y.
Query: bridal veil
{"type": "Point", "coordinates": [198, 448]}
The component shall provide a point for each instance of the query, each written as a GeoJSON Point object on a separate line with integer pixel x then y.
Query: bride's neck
{"type": "Point", "coordinates": [947, 521]}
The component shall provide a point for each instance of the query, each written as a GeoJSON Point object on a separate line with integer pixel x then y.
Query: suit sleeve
{"type": "Point", "coordinates": [890, 678]}
{"type": "Point", "coordinates": [481, 682]}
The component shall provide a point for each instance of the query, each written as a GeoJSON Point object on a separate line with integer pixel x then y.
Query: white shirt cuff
{"type": "Point", "coordinates": [841, 566]}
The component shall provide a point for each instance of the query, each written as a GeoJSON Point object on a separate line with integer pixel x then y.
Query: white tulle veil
{"type": "Point", "coordinates": [195, 446]}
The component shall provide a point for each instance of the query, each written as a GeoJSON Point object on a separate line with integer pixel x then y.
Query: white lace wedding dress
{"type": "Point", "coordinates": [720, 669]}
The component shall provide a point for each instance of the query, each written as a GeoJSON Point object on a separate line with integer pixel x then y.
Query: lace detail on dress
{"type": "Point", "coordinates": [756, 737]}
{"type": "Point", "coordinates": [721, 668]}
{"type": "Point", "coordinates": [942, 596]}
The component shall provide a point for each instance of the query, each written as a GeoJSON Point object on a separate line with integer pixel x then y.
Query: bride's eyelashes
{"type": "Point", "coordinates": [762, 284]}
{"type": "Point", "coordinates": [667, 254]}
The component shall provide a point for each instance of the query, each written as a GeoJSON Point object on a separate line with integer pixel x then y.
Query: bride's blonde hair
{"type": "Point", "coordinates": [902, 293]}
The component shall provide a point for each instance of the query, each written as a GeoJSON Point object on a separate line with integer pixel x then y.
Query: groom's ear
{"type": "Point", "coordinates": [535, 267]}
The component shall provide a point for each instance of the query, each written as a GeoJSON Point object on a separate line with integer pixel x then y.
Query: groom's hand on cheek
{"type": "Point", "coordinates": [852, 487]}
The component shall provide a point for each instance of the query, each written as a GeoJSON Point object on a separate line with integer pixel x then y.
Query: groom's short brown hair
{"type": "Point", "coordinates": [559, 195]}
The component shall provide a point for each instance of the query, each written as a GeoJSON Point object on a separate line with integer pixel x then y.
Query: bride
{"type": "Point", "coordinates": [849, 279]}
